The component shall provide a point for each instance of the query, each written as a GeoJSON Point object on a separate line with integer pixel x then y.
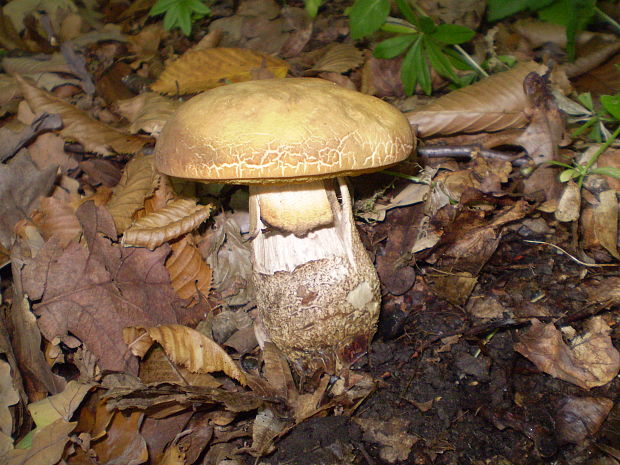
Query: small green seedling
{"type": "Point", "coordinates": [609, 114]}
{"type": "Point", "coordinates": [180, 13]}
{"type": "Point", "coordinates": [422, 42]}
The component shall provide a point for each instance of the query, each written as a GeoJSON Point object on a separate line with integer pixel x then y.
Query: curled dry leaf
{"type": "Point", "coordinates": [147, 112]}
{"type": "Point", "coordinates": [179, 217]}
{"type": "Point", "coordinates": [339, 58]}
{"type": "Point", "coordinates": [94, 135]}
{"type": "Point", "coordinates": [55, 63]}
{"type": "Point", "coordinates": [137, 182]}
{"type": "Point", "coordinates": [199, 70]}
{"type": "Point", "coordinates": [590, 360]}
{"type": "Point", "coordinates": [48, 445]}
{"type": "Point", "coordinates": [56, 218]}
{"type": "Point", "coordinates": [184, 346]}
{"type": "Point", "coordinates": [492, 104]}
{"type": "Point", "coordinates": [190, 275]}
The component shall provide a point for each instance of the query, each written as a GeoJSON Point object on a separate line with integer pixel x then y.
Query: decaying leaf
{"type": "Point", "coordinates": [492, 104]}
{"type": "Point", "coordinates": [199, 70]}
{"type": "Point", "coordinates": [265, 429]}
{"type": "Point", "coordinates": [589, 360]}
{"type": "Point", "coordinates": [21, 184]}
{"type": "Point", "coordinates": [100, 289]}
{"type": "Point", "coordinates": [190, 275]}
{"type": "Point", "coordinates": [94, 135]}
{"type": "Point", "coordinates": [47, 446]}
{"type": "Point", "coordinates": [59, 406]}
{"type": "Point", "coordinates": [8, 396]}
{"type": "Point", "coordinates": [580, 417]}
{"type": "Point", "coordinates": [147, 112]}
{"type": "Point", "coordinates": [396, 443]}
{"type": "Point", "coordinates": [137, 182]}
{"type": "Point", "coordinates": [184, 346]}
{"type": "Point", "coordinates": [179, 217]}
{"type": "Point", "coordinates": [605, 217]}
{"type": "Point", "coordinates": [56, 218]}
{"type": "Point", "coordinates": [569, 205]}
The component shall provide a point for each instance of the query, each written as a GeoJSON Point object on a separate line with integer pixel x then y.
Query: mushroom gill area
{"type": "Point", "coordinates": [317, 291]}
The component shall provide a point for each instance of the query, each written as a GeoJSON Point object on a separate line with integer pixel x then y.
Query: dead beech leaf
{"type": "Point", "coordinates": [47, 446]}
{"type": "Point", "coordinates": [190, 275]}
{"type": "Point", "coordinates": [123, 442]}
{"type": "Point", "coordinates": [55, 63]}
{"type": "Point", "coordinates": [492, 104]}
{"type": "Point", "coordinates": [136, 184]}
{"type": "Point", "coordinates": [94, 135]}
{"type": "Point", "coordinates": [200, 70]}
{"type": "Point", "coordinates": [606, 222]}
{"type": "Point", "coordinates": [179, 217]}
{"type": "Point", "coordinates": [589, 360]}
{"type": "Point", "coordinates": [56, 218]}
{"type": "Point", "coordinates": [339, 58]}
{"type": "Point", "coordinates": [156, 368]}
{"type": "Point", "coordinates": [184, 346]}
{"type": "Point", "coordinates": [147, 112]}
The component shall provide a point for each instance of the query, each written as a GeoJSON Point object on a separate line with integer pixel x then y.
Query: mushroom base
{"type": "Point", "coordinates": [323, 313]}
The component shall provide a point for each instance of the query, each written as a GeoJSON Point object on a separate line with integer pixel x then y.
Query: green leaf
{"type": "Point", "coordinates": [607, 171]}
{"type": "Point", "coordinates": [409, 70]}
{"type": "Point", "coordinates": [426, 25]}
{"type": "Point", "coordinates": [394, 46]}
{"type": "Point", "coordinates": [567, 175]}
{"type": "Point", "coordinates": [161, 6]}
{"type": "Point", "coordinates": [171, 18]}
{"type": "Point", "coordinates": [611, 103]}
{"type": "Point", "coordinates": [200, 8]}
{"type": "Point", "coordinates": [559, 163]}
{"type": "Point", "coordinates": [367, 16]}
{"type": "Point", "coordinates": [586, 100]}
{"type": "Point", "coordinates": [407, 11]}
{"type": "Point", "coordinates": [439, 61]}
{"type": "Point", "coordinates": [452, 34]}
{"type": "Point", "coordinates": [499, 9]}
{"type": "Point", "coordinates": [312, 7]}
{"type": "Point", "coordinates": [185, 20]}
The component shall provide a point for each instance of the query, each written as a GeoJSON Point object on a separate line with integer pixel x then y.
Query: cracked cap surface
{"type": "Point", "coordinates": [274, 130]}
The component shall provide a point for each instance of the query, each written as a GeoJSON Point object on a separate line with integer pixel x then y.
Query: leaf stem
{"type": "Point", "coordinates": [470, 60]}
{"type": "Point", "coordinates": [607, 18]}
{"type": "Point", "coordinates": [599, 152]}
{"type": "Point", "coordinates": [405, 176]}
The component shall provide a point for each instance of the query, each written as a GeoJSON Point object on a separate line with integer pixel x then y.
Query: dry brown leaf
{"type": "Point", "coordinates": [47, 446]}
{"type": "Point", "coordinates": [94, 135]}
{"type": "Point", "coordinates": [190, 275]}
{"type": "Point", "coordinates": [179, 217]}
{"type": "Point", "coordinates": [606, 222]}
{"type": "Point", "coordinates": [576, 418]}
{"type": "Point", "coordinates": [55, 63]}
{"type": "Point", "coordinates": [100, 289]}
{"type": "Point", "coordinates": [157, 368]}
{"type": "Point", "coordinates": [339, 58]}
{"type": "Point", "coordinates": [123, 442]}
{"type": "Point", "coordinates": [392, 436]}
{"type": "Point", "coordinates": [8, 396]}
{"type": "Point", "coordinates": [147, 112]}
{"type": "Point", "coordinates": [184, 346]}
{"type": "Point", "coordinates": [56, 218]}
{"type": "Point", "coordinates": [265, 429]}
{"type": "Point", "coordinates": [137, 182]}
{"type": "Point", "coordinates": [201, 70]}
{"type": "Point", "coordinates": [588, 361]}
{"type": "Point", "coordinates": [569, 205]}
{"type": "Point", "coordinates": [492, 104]}
{"type": "Point", "coordinates": [542, 32]}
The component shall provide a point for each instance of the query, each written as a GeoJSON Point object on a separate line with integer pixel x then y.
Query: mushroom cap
{"type": "Point", "coordinates": [281, 130]}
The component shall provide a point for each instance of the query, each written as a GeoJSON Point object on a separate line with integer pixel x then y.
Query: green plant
{"type": "Point", "coordinates": [575, 15]}
{"type": "Point", "coordinates": [312, 7]}
{"type": "Point", "coordinates": [180, 13]}
{"type": "Point", "coordinates": [609, 114]}
{"type": "Point", "coordinates": [422, 42]}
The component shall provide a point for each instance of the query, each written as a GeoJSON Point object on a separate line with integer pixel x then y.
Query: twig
{"type": "Point", "coordinates": [464, 151]}
{"type": "Point", "coordinates": [575, 259]}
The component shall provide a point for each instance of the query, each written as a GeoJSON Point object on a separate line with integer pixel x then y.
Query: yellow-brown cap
{"type": "Point", "coordinates": [276, 130]}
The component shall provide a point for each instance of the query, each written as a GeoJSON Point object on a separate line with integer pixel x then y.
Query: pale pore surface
{"type": "Point", "coordinates": [297, 208]}
{"type": "Point", "coordinates": [295, 128]}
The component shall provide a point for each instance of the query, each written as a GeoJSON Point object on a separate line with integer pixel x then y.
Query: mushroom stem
{"type": "Point", "coordinates": [317, 293]}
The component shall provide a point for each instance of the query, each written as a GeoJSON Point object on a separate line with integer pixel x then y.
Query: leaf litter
{"type": "Point", "coordinates": [109, 260]}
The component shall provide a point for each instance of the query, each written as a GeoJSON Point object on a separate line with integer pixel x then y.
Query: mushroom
{"type": "Point", "coordinates": [293, 141]}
